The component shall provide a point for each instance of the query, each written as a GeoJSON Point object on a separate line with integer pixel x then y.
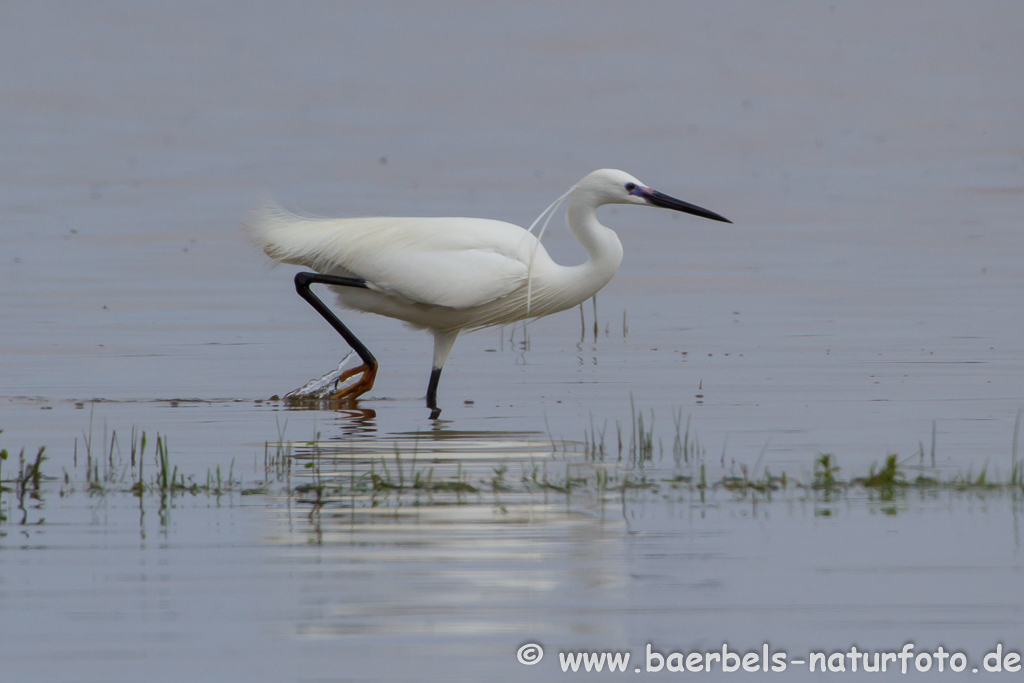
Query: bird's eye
{"type": "Point", "coordinates": [630, 187]}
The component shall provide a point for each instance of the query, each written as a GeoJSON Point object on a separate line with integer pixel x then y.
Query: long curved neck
{"type": "Point", "coordinates": [602, 244]}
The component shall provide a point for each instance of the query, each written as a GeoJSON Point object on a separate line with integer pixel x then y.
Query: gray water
{"type": "Point", "coordinates": [867, 301]}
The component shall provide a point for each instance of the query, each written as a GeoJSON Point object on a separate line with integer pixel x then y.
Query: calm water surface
{"type": "Point", "coordinates": [867, 301]}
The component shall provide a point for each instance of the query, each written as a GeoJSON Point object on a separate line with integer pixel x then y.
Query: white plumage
{"type": "Point", "coordinates": [452, 274]}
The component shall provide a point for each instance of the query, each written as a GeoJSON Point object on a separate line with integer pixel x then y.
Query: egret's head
{"type": "Point", "coordinates": [611, 186]}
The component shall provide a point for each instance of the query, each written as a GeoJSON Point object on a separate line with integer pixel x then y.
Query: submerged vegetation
{"type": "Point", "coordinates": [25, 484]}
{"type": "Point", "coordinates": [631, 464]}
{"type": "Point", "coordinates": [100, 471]}
{"type": "Point", "coordinates": [112, 471]}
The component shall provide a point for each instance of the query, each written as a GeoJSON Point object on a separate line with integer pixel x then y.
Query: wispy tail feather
{"type": "Point", "coordinates": [290, 238]}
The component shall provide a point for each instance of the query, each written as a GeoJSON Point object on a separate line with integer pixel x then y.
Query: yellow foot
{"type": "Point", "coordinates": [359, 387]}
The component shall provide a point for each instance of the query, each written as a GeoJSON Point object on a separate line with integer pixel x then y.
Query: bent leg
{"type": "Point", "coordinates": [369, 367]}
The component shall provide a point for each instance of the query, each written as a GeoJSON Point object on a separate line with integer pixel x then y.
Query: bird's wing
{"type": "Point", "coordinates": [453, 262]}
{"type": "Point", "coordinates": [457, 263]}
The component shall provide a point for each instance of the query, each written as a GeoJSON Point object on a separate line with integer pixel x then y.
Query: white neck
{"type": "Point", "coordinates": [604, 250]}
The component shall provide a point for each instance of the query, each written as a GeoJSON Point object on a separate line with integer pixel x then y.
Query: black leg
{"type": "Point", "coordinates": [435, 377]}
{"type": "Point", "coordinates": [302, 283]}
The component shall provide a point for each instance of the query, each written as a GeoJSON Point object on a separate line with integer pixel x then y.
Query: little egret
{"type": "Point", "coordinates": [447, 275]}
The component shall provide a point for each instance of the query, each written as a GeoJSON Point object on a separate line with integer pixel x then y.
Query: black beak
{"type": "Point", "coordinates": [655, 198]}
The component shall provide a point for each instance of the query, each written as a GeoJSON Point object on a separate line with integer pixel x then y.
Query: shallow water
{"type": "Point", "coordinates": [867, 301]}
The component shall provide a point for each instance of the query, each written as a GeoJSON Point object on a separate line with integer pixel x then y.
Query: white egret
{"type": "Point", "coordinates": [447, 275]}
